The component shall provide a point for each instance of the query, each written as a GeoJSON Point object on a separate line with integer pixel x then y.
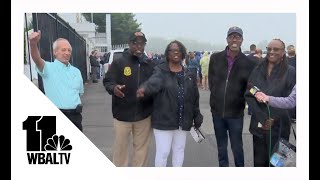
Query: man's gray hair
{"type": "Point", "coordinates": [55, 43]}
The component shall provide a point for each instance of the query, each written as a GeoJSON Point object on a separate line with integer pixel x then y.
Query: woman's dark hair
{"type": "Point", "coordinates": [181, 48]}
{"type": "Point", "coordinates": [283, 62]}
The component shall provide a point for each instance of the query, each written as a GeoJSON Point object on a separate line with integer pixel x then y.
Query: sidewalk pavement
{"type": "Point", "coordinates": [98, 127]}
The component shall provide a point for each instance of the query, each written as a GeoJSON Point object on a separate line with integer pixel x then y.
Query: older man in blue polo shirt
{"type": "Point", "coordinates": [62, 82]}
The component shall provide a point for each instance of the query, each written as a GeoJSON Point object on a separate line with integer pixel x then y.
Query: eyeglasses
{"type": "Point", "coordinates": [136, 43]}
{"type": "Point", "coordinates": [174, 50]}
{"type": "Point", "coordinates": [275, 49]}
{"type": "Point", "coordinates": [236, 37]}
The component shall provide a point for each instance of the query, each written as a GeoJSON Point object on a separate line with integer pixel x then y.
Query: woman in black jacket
{"type": "Point", "coordinates": [176, 105]}
{"type": "Point", "coordinates": [274, 77]}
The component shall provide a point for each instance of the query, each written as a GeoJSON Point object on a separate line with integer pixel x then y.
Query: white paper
{"type": "Point", "coordinates": [196, 134]}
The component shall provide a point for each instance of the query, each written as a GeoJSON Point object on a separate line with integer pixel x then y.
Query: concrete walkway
{"type": "Point", "coordinates": [98, 127]}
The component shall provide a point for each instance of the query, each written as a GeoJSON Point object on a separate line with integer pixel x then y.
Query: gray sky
{"type": "Point", "coordinates": [213, 27]}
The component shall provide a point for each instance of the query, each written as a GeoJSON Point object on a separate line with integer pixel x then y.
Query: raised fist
{"type": "Point", "coordinates": [34, 37]}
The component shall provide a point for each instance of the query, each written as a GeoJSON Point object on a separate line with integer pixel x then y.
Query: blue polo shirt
{"type": "Point", "coordinates": [62, 84]}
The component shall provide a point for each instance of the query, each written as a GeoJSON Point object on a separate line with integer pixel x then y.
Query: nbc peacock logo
{"type": "Point", "coordinates": [44, 146]}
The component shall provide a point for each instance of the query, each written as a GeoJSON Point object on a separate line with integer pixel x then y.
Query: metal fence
{"type": "Point", "coordinates": [53, 27]}
{"type": "Point", "coordinates": [120, 46]}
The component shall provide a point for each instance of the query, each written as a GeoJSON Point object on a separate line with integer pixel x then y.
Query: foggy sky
{"type": "Point", "coordinates": [213, 27]}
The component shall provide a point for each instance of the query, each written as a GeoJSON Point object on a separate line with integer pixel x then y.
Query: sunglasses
{"type": "Point", "coordinates": [236, 37]}
{"type": "Point", "coordinates": [136, 43]}
{"type": "Point", "coordinates": [275, 49]}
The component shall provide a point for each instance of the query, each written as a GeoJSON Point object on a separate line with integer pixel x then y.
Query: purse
{"type": "Point", "coordinates": [284, 153]}
{"type": "Point", "coordinates": [197, 134]}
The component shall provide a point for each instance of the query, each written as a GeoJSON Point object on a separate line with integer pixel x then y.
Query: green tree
{"type": "Point", "coordinates": [99, 19]}
{"type": "Point", "coordinates": [122, 24]}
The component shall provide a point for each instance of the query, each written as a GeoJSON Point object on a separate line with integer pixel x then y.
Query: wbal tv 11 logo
{"type": "Point", "coordinates": [41, 137]}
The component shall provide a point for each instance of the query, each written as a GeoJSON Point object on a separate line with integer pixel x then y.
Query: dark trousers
{"type": "Point", "coordinates": [249, 110]}
{"type": "Point", "coordinates": [233, 126]}
{"type": "Point", "coordinates": [262, 149]}
{"type": "Point", "coordinates": [94, 73]}
{"type": "Point", "coordinates": [75, 118]}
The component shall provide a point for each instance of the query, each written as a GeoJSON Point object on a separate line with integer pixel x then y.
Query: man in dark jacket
{"type": "Point", "coordinates": [253, 48]}
{"type": "Point", "coordinates": [291, 55]}
{"type": "Point", "coordinates": [131, 115]}
{"type": "Point", "coordinates": [228, 74]}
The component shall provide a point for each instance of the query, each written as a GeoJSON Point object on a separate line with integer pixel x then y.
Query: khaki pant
{"type": "Point", "coordinates": [141, 132]}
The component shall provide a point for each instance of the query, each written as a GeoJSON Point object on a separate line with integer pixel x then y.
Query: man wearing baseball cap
{"type": "Point", "coordinates": [228, 74]}
{"type": "Point", "coordinates": [235, 29]}
{"type": "Point", "coordinates": [131, 115]}
{"type": "Point", "coordinates": [133, 36]}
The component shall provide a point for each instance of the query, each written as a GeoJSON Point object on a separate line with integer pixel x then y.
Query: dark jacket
{"type": "Point", "coordinates": [254, 58]}
{"type": "Point", "coordinates": [130, 71]}
{"type": "Point", "coordinates": [273, 86]}
{"type": "Point", "coordinates": [251, 56]}
{"type": "Point", "coordinates": [292, 61]}
{"type": "Point", "coordinates": [94, 62]}
{"type": "Point", "coordinates": [162, 85]}
{"type": "Point", "coordinates": [227, 95]}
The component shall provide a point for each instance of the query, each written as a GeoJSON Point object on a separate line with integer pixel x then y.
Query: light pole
{"type": "Point", "coordinates": [108, 31]}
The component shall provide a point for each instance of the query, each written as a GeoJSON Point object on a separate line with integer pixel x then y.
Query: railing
{"type": "Point", "coordinates": [120, 46]}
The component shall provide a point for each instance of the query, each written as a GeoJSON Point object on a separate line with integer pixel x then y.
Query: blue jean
{"type": "Point", "coordinates": [234, 127]}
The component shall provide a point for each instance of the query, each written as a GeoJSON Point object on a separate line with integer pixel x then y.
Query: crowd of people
{"type": "Point", "coordinates": [171, 83]}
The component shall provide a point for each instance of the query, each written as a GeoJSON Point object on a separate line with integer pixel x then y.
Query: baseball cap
{"type": "Point", "coordinates": [235, 29]}
{"type": "Point", "coordinates": [136, 34]}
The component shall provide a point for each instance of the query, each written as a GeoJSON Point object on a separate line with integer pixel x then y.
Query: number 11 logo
{"type": "Point", "coordinates": [41, 136]}
{"type": "Point", "coordinates": [39, 129]}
